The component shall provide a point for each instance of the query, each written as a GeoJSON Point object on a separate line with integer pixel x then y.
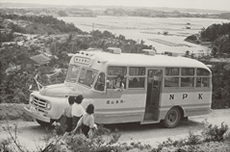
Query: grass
{"type": "Point", "coordinates": [212, 138]}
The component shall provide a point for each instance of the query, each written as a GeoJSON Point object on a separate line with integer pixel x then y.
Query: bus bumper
{"type": "Point", "coordinates": [36, 115]}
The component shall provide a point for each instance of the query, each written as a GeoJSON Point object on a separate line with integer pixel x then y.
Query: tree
{"type": "Point", "coordinates": [221, 86]}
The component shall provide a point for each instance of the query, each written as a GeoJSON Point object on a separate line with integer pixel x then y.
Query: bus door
{"type": "Point", "coordinates": [153, 94]}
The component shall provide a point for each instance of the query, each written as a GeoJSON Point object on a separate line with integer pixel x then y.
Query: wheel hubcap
{"type": "Point", "coordinates": [172, 117]}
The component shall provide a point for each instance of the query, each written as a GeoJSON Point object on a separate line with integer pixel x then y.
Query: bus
{"type": "Point", "coordinates": [157, 88]}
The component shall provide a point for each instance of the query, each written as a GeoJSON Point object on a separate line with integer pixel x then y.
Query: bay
{"type": "Point", "coordinates": [165, 34]}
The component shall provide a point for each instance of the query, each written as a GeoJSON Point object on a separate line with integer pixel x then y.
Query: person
{"type": "Point", "coordinates": [68, 117]}
{"type": "Point", "coordinates": [77, 110]}
{"type": "Point", "coordinates": [118, 84]}
{"type": "Point", "coordinates": [89, 78]}
{"type": "Point", "coordinates": [86, 123]}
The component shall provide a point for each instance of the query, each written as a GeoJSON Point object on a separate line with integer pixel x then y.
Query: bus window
{"type": "Point", "coordinates": [136, 82]}
{"type": "Point", "coordinates": [137, 71]}
{"type": "Point", "coordinates": [172, 71]}
{"type": "Point", "coordinates": [72, 73]}
{"type": "Point", "coordinates": [202, 82]}
{"type": "Point", "coordinates": [202, 72]}
{"type": "Point", "coordinates": [100, 83]}
{"type": "Point", "coordinates": [136, 79]}
{"type": "Point", "coordinates": [113, 73]}
{"type": "Point", "coordinates": [187, 71]}
{"type": "Point", "coordinates": [187, 82]}
{"type": "Point", "coordinates": [171, 82]}
{"type": "Point", "coordinates": [116, 70]}
{"type": "Point", "coordinates": [112, 81]}
{"type": "Point", "coordinates": [87, 77]}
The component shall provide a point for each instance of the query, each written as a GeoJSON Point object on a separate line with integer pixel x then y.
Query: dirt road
{"type": "Point", "coordinates": [31, 135]}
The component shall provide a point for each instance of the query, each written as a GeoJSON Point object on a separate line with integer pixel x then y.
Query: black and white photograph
{"type": "Point", "coordinates": [115, 76]}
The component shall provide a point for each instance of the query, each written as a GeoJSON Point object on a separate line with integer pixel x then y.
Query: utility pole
{"type": "Point", "coordinates": [92, 27]}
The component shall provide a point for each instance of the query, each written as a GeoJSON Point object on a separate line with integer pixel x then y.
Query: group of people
{"type": "Point", "coordinates": [117, 84]}
{"type": "Point", "coordinates": [76, 117]}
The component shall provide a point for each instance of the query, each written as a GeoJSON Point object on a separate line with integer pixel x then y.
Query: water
{"type": "Point", "coordinates": [165, 34]}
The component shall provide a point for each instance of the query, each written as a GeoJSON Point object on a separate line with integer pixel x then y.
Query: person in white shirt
{"type": "Point", "coordinates": [86, 123]}
{"type": "Point", "coordinates": [66, 119]}
{"type": "Point", "coordinates": [77, 110]}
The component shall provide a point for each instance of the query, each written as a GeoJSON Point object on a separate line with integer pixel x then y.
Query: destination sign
{"type": "Point", "coordinates": [82, 60]}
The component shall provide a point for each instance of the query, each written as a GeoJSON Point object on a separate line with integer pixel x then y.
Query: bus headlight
{"type": "Point", "coordinates": [31, 99]}
{"type": "Point", "coordinates": [48, 105]}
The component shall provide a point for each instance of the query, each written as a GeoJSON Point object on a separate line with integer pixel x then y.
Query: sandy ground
{"type": "Point", "coordinates": [31, 135]}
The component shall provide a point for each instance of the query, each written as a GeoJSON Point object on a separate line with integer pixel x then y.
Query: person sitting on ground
{"type": "Point", "coordinates": [86, 123]}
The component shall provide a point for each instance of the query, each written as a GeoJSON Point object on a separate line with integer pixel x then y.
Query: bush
{"type": "Point", "coordinates": [213, 139]}
{"type": "Point", "coordinates": [193, 139]}
{"type": "Point", "coordinates": [214, 133]}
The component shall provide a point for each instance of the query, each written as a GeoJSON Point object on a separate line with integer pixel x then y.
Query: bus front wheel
{"type": "Point", "coordinates": [172, 118]}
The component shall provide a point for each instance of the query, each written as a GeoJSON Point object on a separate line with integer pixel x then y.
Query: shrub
{"type": "Point", "coordinates": [193, 139]}
{"type": "Point", "coordinates": [214, 133]}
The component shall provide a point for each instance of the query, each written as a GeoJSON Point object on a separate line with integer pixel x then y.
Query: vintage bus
{"type": "Point", "coordinates": [157, 88]}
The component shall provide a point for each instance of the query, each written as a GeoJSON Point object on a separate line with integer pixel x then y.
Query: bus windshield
{"type": "Point", "coordinates": [87, 77]}
{"type": "Point", "coordinates": [72, 73]}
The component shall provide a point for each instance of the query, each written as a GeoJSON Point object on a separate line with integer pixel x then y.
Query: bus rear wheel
{"type": "Point", "coordinates": [44, 124]}
{"type": "Point", "coordinates": [172, 118]}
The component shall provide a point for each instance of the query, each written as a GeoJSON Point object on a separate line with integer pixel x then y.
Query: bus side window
{"type": "Point", "coordinates": [100, 83]}
{"type": "Point", "coordinates": [202, 82]}
{"type": "Point", "coordinates": [110, 82]}
{"type": "Point", "coordinates": [137, 82]}
{"type": "Point", "coordinates": [171, 77]}
{"type": "Point", "coordinates": [171, 82]}
{"type": "Point", "coordinates": [187, 81]}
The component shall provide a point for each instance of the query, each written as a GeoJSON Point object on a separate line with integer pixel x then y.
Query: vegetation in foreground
{"type": "Point", "coordinates": [212, 138]}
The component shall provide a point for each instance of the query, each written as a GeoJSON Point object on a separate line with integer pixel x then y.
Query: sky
{"type": "Point", "coordinates": [198, 4]}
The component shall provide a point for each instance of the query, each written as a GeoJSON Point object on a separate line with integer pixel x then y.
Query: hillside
{"type": "Point", "coordinates": [25, 36]}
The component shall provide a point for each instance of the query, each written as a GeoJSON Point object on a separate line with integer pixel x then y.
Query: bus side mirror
{"type": "Point", "coordinates": [30, 87]}
{"type": "Point", "coordinates": [107, 84]}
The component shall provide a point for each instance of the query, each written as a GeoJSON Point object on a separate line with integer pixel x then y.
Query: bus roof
{"type": "Point", "coordinates": [142, 60]}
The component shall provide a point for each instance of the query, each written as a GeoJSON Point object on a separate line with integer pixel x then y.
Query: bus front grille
{"type": "Point", "coordinates": [39, 104]}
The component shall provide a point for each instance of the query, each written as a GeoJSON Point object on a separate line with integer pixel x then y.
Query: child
{"type": "Point", "coordinates": [118, 84]}
{"type": "Point", "coordinates": [77, 110]}
{"type": "Point", "coordinates": [68, 116]}
{"type": "Point", "coordinates": [87, 121]}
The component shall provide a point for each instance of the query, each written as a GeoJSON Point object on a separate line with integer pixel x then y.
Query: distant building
{"type": "Point", "coordinates": [35, 61]}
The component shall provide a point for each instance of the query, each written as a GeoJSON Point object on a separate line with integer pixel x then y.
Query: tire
{"type": "Point", "coordinates": [172, 118]}
{"type": "Point", "coordinates": [44, 124]}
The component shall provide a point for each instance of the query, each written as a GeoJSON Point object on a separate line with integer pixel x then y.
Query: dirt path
{"type": "Point", "coordinates": [31, 134]}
